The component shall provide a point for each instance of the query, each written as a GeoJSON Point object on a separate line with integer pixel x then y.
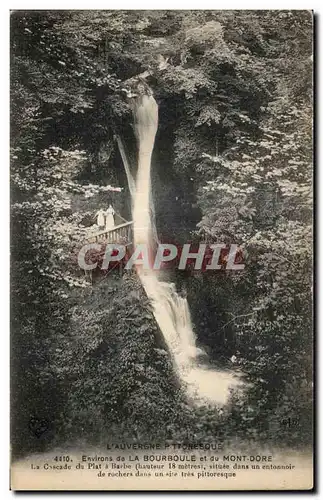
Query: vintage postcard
{"type": "Point", "coordinates": [161, 250]}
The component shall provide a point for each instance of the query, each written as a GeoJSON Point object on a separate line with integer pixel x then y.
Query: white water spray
{"type": "Point", "coordinates": [171, 311]}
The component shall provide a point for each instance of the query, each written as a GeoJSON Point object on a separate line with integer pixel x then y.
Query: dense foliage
{"type": "Point", "coordinates": [232, 163]}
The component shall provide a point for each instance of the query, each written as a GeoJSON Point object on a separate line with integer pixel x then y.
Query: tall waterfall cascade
{"type": "Point", "coordinates": [171, 311]}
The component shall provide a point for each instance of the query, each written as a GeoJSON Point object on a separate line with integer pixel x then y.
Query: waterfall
{"type": "Point", "coordinates": [171, 311]}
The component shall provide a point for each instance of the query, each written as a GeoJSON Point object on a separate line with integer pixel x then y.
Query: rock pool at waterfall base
{"type": "Point", "coordinates": [207, 385]}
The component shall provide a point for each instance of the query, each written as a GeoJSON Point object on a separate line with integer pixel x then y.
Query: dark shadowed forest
{"type": "Point", "coordinates": [232, 163]}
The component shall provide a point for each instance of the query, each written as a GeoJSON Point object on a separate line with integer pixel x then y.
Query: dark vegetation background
{"type": "Point", "coordinates": [232, 163]}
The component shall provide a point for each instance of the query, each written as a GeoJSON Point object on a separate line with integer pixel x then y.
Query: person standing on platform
{"type": "Point", "coordinates": [109, 218]}
{"type": "Point", "coordinates": [100, 218]}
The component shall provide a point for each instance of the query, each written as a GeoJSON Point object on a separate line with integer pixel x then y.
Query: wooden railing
{"type": "Point", "coordinates": [119, 234]}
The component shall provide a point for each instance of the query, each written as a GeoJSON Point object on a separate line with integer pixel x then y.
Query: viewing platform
{"type": "Point", "coordinates": [121, 234]}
